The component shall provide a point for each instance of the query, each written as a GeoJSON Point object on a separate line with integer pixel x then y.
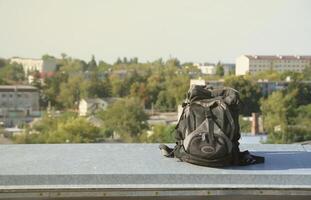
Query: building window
{"type": "Point", "coordinates": [3, 95]}
{"type": "Point", "coordinates": [11, 95]}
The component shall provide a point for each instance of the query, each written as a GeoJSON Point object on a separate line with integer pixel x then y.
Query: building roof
{"type": "Point", "coordinates": [32, 59]}
{"type": "Point", "coordinates": [127, 169]}
{"type": "Point", "coordinates": [12, 88]}
{"type": "Point", "coordinates": [101, 100]}
{"type": "Point", "coordinates": [94, 100]}
{"type": "Point", "coordinates": [14, 58]}
{"type": "Point", "coordinates": [279, 57]}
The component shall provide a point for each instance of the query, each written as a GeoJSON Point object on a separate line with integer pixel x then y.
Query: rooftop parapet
{"type": "Point", "coordinates": [103, 171]}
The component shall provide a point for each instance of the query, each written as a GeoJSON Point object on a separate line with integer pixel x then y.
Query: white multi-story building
{"type": "Point", "coordinates": [256, 63]}
{"type": "Point", "coordinates": [43, 66]}
{"type": "Point", "coordinates": [197, 82]}
{"type": "Point", "coordinates": [206, 69]}
{"type": "Point", "coordinates": [18, 104]}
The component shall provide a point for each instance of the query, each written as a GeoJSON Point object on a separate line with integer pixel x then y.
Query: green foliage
{"type": "Point", "coordinates": [12, 73]}
{"type": "Point", "coordinates": [220, 69]}
{"type": "Point", "coordinates": [159, 134]}
{"type": "Point", "coordinates": [92, 65]}
{"type": "Point", "coordinates": [249, 93]}
{"type": "Point", "coordinates": [245, 125]}
{"type": "Point", "coordinates": [173, 62]}
{"type": "Point", "coordinates": [95, 87]}
{"type": "Point", "coordinates": [160, 85]}
{"type": "Point", "coordinates": [3, 62]}
{"type": "Point", "coordinates": [301, 91]}
{"type": "Point", "coordinates": [126, 117]}
{"type": "Point", "coordinates": [307, 73]}
{"type": "Point", "coordinates": [67, 128]}
{"type": "Point", "coordinates": [286, 119]}
{"type": "Point", "coordinates": [273, 75]}
{"type": "Point", "coordinates": [71, 92]}
{"type": "Point", "coordinates": [103, 66]}
{"type": "Point", "coordinates": [277, 110]}
{"type": "Point", "coordinates": [173, 93]}
{"type": "Point", "coordinates": [47, 56]}
{"type": "Point", "coordinates": [72, 66]}
{"type": "Point", "coordinates": [51, 90]}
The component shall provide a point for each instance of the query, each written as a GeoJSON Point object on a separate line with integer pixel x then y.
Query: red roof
{"type": "Point", "coordinates": [280, 57]}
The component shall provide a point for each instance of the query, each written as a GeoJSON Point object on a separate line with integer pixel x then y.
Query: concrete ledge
{"type": "Point", "coordinates": [138, 170]}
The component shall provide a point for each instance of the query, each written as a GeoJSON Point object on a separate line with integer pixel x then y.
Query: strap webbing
{"type": "Point", "coordinates": [210, 135]}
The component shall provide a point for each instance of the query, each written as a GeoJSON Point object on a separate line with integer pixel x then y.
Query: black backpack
{"type": "Point", "coordinates": [208, 131]}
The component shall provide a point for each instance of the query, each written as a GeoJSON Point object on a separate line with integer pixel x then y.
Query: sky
{"type": "Point", "coordinates": [191, 30]}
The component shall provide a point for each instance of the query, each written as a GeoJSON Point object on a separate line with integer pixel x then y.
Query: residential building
{"type": "Point", "coordinates": [19, 104]}
{"type": "Point", "coordinates": [163, 118]}
{"type": "Point", "coordinates": [197, 82]}
{"type": "Point", "coordinates": [90, 106]}
{"type": "Point", "coordinates": [207, 69]}
{"type": "Point", "coordinates": [257, 63]}
{"type": "Point", "coordinates": [266, 86]}
{"type": "Point", "coordinates": [229, 68]}
{"type": "Point", "coordinates": [43, 66]}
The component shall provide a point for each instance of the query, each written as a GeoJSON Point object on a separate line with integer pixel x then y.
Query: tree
{"type": "Point", "coordinates": [47, 56]}
{"type": "Point", "coordinates": [173, 62]}
{"type": "Point", "coordinates": [125, 60]}
{"type": "Point", "coordinates": [3, 62]}
{"type": "Point", "coordinates": [36, 79]}
{"type": "Point", "coordinates": [118, 61]}
{"type": "Point", "coordinates": [126, 117]}
{"type": "Point", "coordinates": [12, 73]}
{"type": "Point", "coordinates": [287, 113]}
{"type": "Point", "coordinates": [301, 91]}
{"type": "Point", "coordinates": [71, 92]}
{"type": "Point", "coordinates": [249, 91]}
{"type": "Point", "coordinates": [278, 111]}
{"type": "Point", "coordinates": [153, 87]}
{"type": "Point", "coordinates": [159, 134]}
{"type": "Point", "coordinates": [63, 55]}
{"type": "Point", "coordinates": [307, 73]}
{"type": "Point", "coordinates": [220, 69]}
{"type": "Point", "coordinates": [139, 91]}
{"type": "Point", "coordinates": [103, 66]}
{"type": "Point", "coordinates": [95, 87]}
{"type": "Point", "coordinates": [118, 86]}
{"type": "Point", "coordinates": [51, 89]}
{"type": "Point", "coordinates": [73, 66]}
{"type": "Point", "coordinates": [134, 60]}
{"type": "Point", "coordinates": [68, 128]}
{"type": "Point", "coordinates": [173, 93]}
{"type": "Point", "coordinates": [92, 65]}
{"type": "Point", "coordinates": [76, 130]}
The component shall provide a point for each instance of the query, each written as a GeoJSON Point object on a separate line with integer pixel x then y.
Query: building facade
{"type": "Point", "coordinates": [43, 66]}
{"type": "Point", "coordinates": [229, 68]}
{"type": "Point", "coordinates": [19, 104]}
{"type": "Point", "coordinates": [90, 106]}
{"type": "Point", "coordinates": [256, 63]}
{"type": "Point", "coordinates": [208, 69]}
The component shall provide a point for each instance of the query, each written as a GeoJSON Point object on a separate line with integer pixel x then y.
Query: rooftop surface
{"type": "Point", "coordinates": [140, 166]}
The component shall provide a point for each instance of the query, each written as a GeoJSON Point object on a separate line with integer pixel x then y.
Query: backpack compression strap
{"type": "Point", "coordinates": [167, 151]}
{"type": "Point", "coordinates": [245, 158]}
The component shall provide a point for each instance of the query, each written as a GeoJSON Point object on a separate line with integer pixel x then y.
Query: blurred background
{"type": "Point", "coordinates": [118, 71]}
